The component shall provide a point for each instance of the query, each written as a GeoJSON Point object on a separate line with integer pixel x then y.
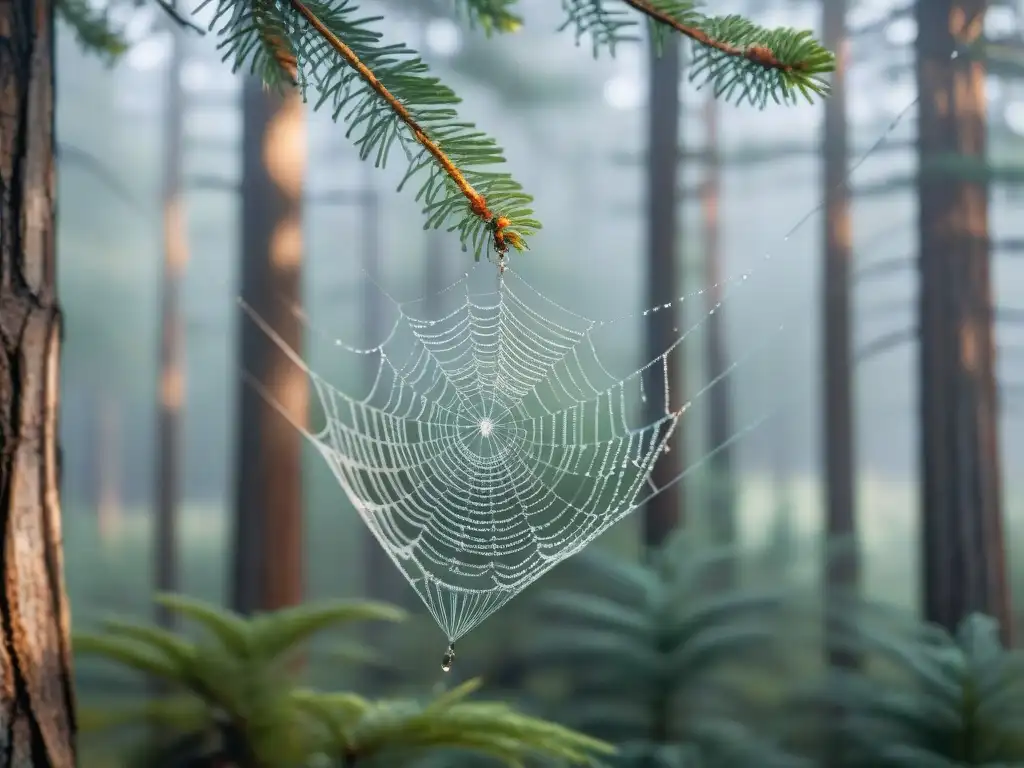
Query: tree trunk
{"type": "Point", "coordinates": [37, 718]}
{"type": "Point", "coordinates": [963, 558]}
{"type": "Point", "coordinates": [664, 512]}
{"type": "Point", "coordinates": [172, 339]}
{"type": "Point", "coordinates": [107, 456]}
{"type": "Point", "coordinates": [841, 563]}
{"type": "Point", "coordinates": [721, 509]}
{"type": "Point", "coordinates": [268, 562]}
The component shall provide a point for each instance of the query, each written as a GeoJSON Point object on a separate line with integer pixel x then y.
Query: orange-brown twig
{"type": "Point", "coordinates": [758, 54]}
{"type": "Point", "coordinates": [477, 203]}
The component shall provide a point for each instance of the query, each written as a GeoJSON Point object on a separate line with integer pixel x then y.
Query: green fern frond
{"type": "Point", "coordinates": [642, 645]}
{"type": "Point", "coordinates": [273, 634]}
{"type": "Point", "coordinates": [941, 701]}
{"type": "Point", "coordinates": [391, 104]}
{"type": "Point", "coordinates": [337, 711]}
{"type": "Point", "coordinates": [490, 15]}
{"type": "Point", "coordinates": [228, 627]}
{"type": "Point", "coordinates": [92, 28]}
{"type": "Point", "coordinates": [181, 714]}
{"type": "Point", "coordinates": [357, 653]}
{"type": "Point", "coordinates": [407, 728]}
{"type": "Point", "coordinates": [624, 620]}
{"type": "Point", "coordinates": [740, 60]}
{"type": "Point", "coordinates": [455, 695]}
{"type": "Point", "coordinates": [179, 652]}
{"type": "Point", "coordinates": [129, 653]}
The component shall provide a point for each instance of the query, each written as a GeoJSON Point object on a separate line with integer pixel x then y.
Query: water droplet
{"type": "Point", "coordinates": [448, 658]}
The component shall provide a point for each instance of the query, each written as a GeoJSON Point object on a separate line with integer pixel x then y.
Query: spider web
{"type": "Point", "coordinates": [496, 441]}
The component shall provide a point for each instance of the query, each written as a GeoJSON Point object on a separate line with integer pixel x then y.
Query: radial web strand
{"type": "Point", "coordinates": [496, 440]}
{"type": "Point", "coordinates": [494, 444]}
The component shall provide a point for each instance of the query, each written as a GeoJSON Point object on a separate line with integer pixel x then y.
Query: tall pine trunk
{"type": "Point", "coordinates": [107, 458]}
{"type": "Point", "coordinates": [37, 718]}
{"type": "Point", "coordinates": [964, 562]}
{"type": "Point", "coordinates": [721, 511]}
{"type": "Point", "coordinates": [172, 338]}
{"type": "Point", "coordinates": [268, 561]}
{"type": "Point", "coordinates": [841, 565]}
{"type": "Point", "coordinates": [664, 512]}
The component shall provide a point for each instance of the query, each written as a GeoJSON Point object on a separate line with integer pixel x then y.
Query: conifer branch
{"type": "Point", "coordinates": [491, 15]}
{"type": "Point", "coordinates": [385, 96]}
{"type": "Point", "coordinates": [91, 28]}
{"type": "Point", "coordinates": [502, 238]}
{"type": "Point", "coordinates": [741, 60]}
{"type": "Point", "coordinates": [171, 10]}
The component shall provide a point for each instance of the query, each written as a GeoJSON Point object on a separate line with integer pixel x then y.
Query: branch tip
{"type": "Point", "coordinates": [500, 235]}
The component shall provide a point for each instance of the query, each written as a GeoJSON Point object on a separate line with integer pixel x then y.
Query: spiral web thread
{"type": "Point", "coordinates": [495, 442]}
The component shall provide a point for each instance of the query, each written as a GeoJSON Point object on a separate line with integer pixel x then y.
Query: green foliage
{"type": "Point", "coordinates": [930, 700]}
{"type": "Point", "coordinates": [660, 661]}
{"type": "Point", "coordinates": [386, 95]}
{"type": "Point", "coordinates": [92, 28]}
{"type": "Point", "coordinates": [232, 697]}
{"type": "Point", "coordinates": [390, 101]}
{"type": "Point", "coordinates": [491, 15]}
{"type": "Point", "coordinates": [396, 731]}
{"type": "Point", "coordinates": [374, 125]}
{"type": "Point", "coordinates": [235, 682]}
{"type": "Point", "coordinates": [739, 78]}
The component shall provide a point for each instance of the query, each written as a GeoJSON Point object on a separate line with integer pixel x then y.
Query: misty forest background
{"type": "Point", "coordinates": [152, 216]}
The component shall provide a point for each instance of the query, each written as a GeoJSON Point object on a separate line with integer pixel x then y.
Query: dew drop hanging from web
{"type": "Point", "coordinates": [448, 659]}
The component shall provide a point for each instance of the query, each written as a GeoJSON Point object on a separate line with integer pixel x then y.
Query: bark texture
{"type": "Point", "coordinates": [964, 551]}
{"type": "Point", "coordinates": [268, 560]}
{"type": "Point", "coordinates": [37, 721]}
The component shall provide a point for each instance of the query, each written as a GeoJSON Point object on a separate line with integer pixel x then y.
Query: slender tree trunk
{"type": "Point", "coordinates": [268, 561]}
{"type": "Point", "coordinates": [172, 339]}
{"type": "Point", "coordinates": [963, 546]}
{"type": "Point", "coordinates": [841, 565]}
{"type": "Point", "coordinates": [721, 509]}
{"type": "Point", "coordinates": [665, 511]}
{"type": "Point", "coordinates": [37, 717]}
{"type": "Point", "coordinates": [108, 467]}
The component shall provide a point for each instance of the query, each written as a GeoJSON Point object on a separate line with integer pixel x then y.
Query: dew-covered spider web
{"type": "Point", "coordinates": [495, 441]}
{"type": "Point", "coordinates": [503, 433]}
